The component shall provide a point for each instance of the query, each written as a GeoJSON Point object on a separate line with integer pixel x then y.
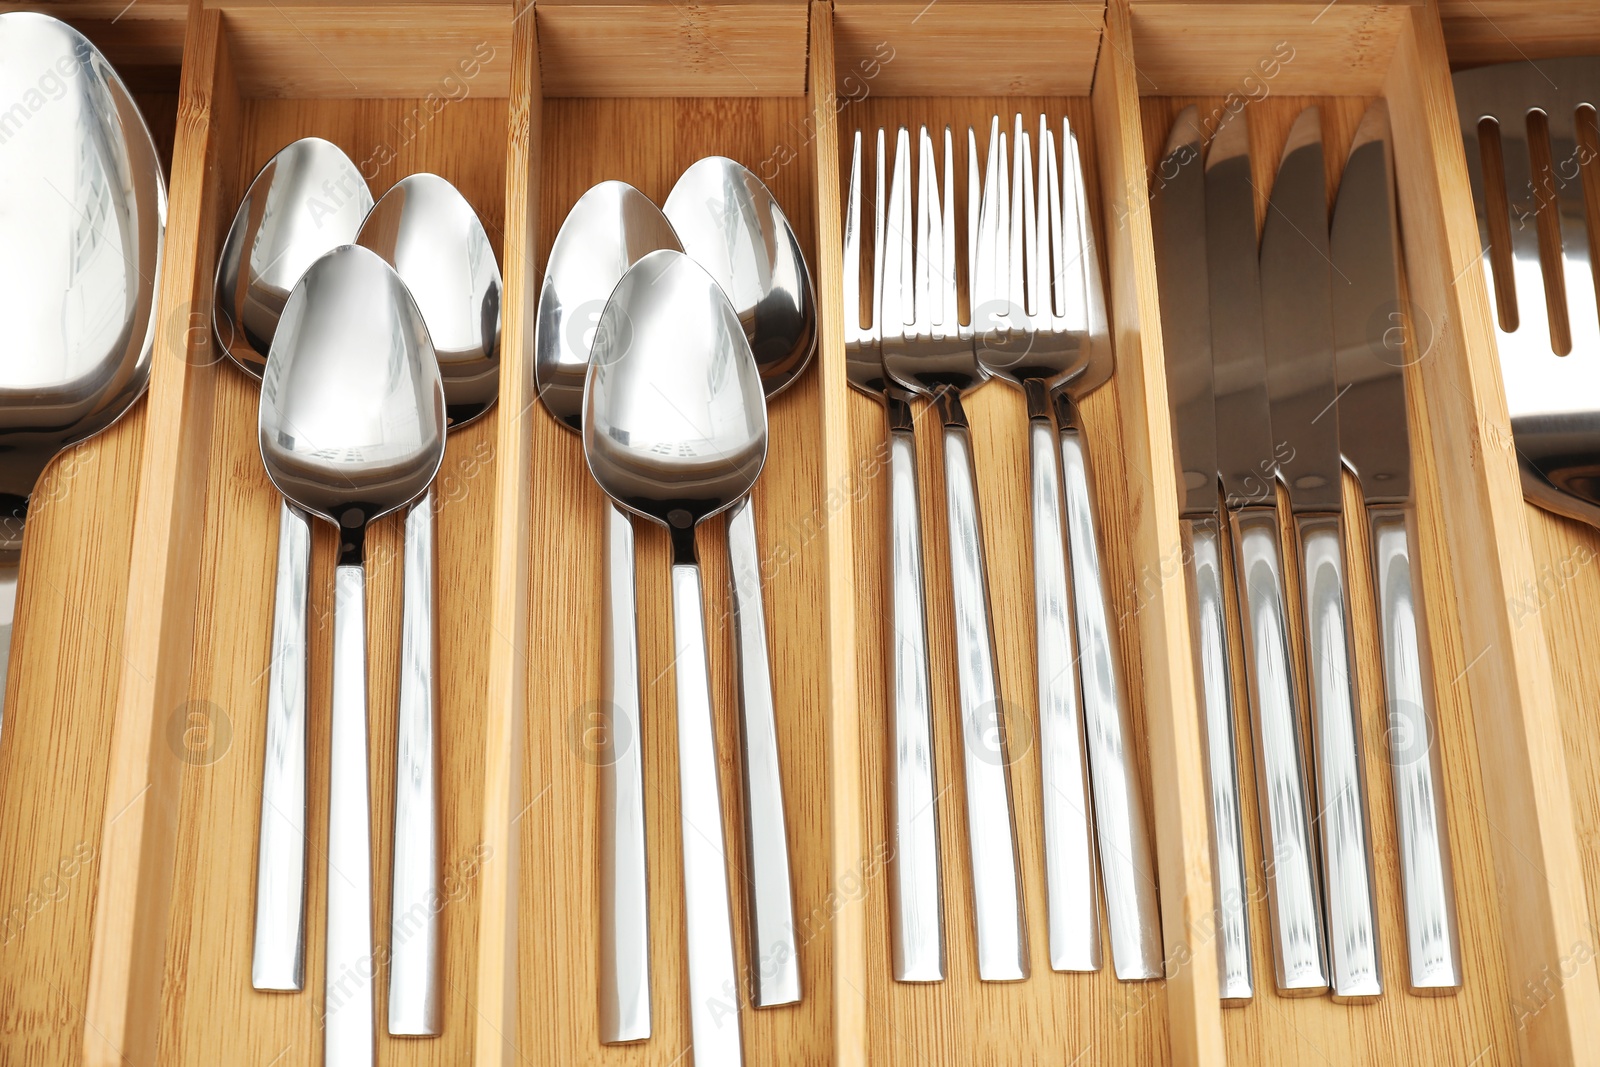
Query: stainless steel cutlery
{"type": "Point", "coordinates": [278, 232]}
{"type": "Point", "coordinates": [426, 230]}
{"type": "Point", "coordinates": [80, 304]}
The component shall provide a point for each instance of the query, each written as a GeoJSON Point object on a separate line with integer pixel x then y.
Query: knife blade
{"type": "Point", "coordinates": [1297, 328]}
{"type": "Point", "coordinates": [1178, 213]}
{"type": "Point", "coordinates": [1370, 337]}
{"type": "Point", "coordinates": [1248, 457]}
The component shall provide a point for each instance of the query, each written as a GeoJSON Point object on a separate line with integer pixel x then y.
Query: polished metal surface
{"type": "Point", "coordinates": [83, 213]}
{"type": "Point", "coordinates": [1297, 330]}
{"type": "Point", "coordinates": [1248, 458]}
{"type": "Point", "coordinates": [675, 430]}
{"type": "Point", "coordinates": [610, 227]}
{"type": "Point", "coordinates": [1547, 332]}
{"type": "Point", "coordinates": [1031, 329]}
{"type": "Point", "coordinates": [306, 201]}
{"type": "Point", "coordinates": [927, 349]}
{"type": "Point", "coordinates": [916, 898]}
{"type": "Point", "coordinates": [352, 427]}
{"type": "Point", "coordinates": [425, 229]}
{"type": "Point", "coordinates": [1371, 345]}
{"type": "Point", "coordinates": [732, 227]}
{"type": "Point", "coordinates": [1178, 222]}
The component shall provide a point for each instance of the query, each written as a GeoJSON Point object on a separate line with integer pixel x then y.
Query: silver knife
{"type": "Point", "coordinates": [1178, 216]}
{"type": "Point", "coordinates": [1369, 331]}
{"type": "Point", "coordinates": [1247, 458]}
{"type": "Point", "coordinates": [1297, 327]}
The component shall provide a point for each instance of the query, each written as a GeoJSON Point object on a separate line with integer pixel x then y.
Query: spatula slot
{"type": "Point", "coordinates": [1499, 223]}
{"type": "Point", "coordinates": [1547, 225]}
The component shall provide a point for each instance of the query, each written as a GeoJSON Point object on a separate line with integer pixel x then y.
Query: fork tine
{"type": "Point", "coordinates": [897, 257]}
{"type": "Point", "coordinates": [1015, 209]}
{"type": "Point", "coordinates": [851, 274]}
{"type": "Point", "coordinates": [1073, 279]}
{"type": "Point", "coordinates": [878, 222]}
{"type": "Point", "coordinates": [948, 313]}
{"type": "Point", "coordinates": [985, 280]}
{"type": "Point", "coordinates": [1082, 251]}
{"type": "Point", "coordinates": [1027, 226]}
{"type": "Point", "coordinates": [1052, 226]}
{"type": "Point", "coordinates": [922, 297]}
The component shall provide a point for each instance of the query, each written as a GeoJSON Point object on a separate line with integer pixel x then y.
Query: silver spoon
{"type": "Point", "coordinates": [427, 231]}
{"type": "Point", "coordinates": [610, 227]}
{"type": "Point", "coordinates": [83, 211]}
{"type": "Point", "coordinates": [352, 427]}
{"type": "Point", "coordinates": [730, 224]}
{"type": "Point", "coordinates": [307, 200]}
{"type": "Point", "coordinates": [675, 429]}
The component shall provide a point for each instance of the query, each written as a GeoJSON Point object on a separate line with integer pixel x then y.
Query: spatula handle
{"type": "Point", "coordinates": [1433, 948]}
{"type": "Point", "coordinates": [1294, 892]}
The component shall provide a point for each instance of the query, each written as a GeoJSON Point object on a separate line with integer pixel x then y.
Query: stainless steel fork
{"type": "Point", "coordinates": [927, 350]}
{"type": "Point", "coordinates": [916, 899]}
{"type": "Point", "coordinates": [1041, 324]}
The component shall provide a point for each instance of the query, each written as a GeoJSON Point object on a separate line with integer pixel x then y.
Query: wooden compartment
{"type": "Point", "coordinates": [145, 600]}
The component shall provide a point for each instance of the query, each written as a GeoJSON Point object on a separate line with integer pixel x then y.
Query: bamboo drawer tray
{"type": "Point", "coordinates": [131, 754]}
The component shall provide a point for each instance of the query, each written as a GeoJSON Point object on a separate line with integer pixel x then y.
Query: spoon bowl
{"type": "Point", "coordinates": [675, 425]}
{"type": "Point", "coordinates": [83, 209]}
{"type": "Point", "coordinates": [307, 200]}
{"type": "Point", "coordinates": [675, 429]}
{"type": "Point", "coordinates": [427, 231]}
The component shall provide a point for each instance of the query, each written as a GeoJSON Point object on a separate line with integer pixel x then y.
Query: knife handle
{"type": "Point", "coordinates": [991, 827]}
{"type": "Point", "coordinates": [1432, 946]}
{"type": "Point", "coordinates": [1203, 553]}
{"type": "Point", "coordinates": [916, 927]}
{"type": "Point", "coordinates": [1069, 859]}
{"type": "Point", "coordinates": [1293, 892]}
{"type": "Point", "coordinates": [1341, 795]}
{"type": "Point", "coordinates": [1127, 867]}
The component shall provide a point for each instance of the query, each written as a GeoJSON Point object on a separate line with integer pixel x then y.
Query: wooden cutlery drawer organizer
{"type": "Point", "coordinates": [131, 762]}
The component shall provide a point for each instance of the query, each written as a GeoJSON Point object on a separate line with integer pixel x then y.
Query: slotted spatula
{"type": "Point", "coordinates": [1532, 151]}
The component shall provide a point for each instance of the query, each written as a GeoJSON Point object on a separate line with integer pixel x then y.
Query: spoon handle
{"type": "Point", "coordinates": [1069, 860]}
{"type": "Point", "coordinates": [348, 1022]}
{"type": "Point", "coordinates": [624, 882]}
{"type": "Point", "coordinates": [916, 918]}
{"type": "Point", "coordinates": [991, 827]}
{"type": "Point", "coordinates": [714, 991]}
{"type": "Point", "coordinates": [280, 948]}
{"type": "Point", "coordinates": [775, 966]}
{"type": "Point", "coordinates": [8, 614]}
{"type": "Point", "coordinates": [1127, 867]}
{"type": "Point", "coordinates": [414, 914]}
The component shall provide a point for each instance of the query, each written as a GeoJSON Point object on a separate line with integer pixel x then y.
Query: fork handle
{"type": "Point", "coordinates": [1069, 860]}
{"type": "Point", "coordinates": [1433, 949]}
{"type": "Point", "coordinates": [775, 960]}
{"type": "Point", "coordinates": [624, 884]}
{"type": "Point", "coordinates": [916, 928]}
{"type": "Point", "coordinates": [1341, 820]}
{"type": "Point", "coordinates": [1203, 556]}
{"type": "Point", "coordinates": [991, 829]}
{"type": "Point", "coordinates": [1294, 895]}
{"type": "Point", "coordinates": [1133, 905]}
{"type": "Point", "coordinates": [278, 961]}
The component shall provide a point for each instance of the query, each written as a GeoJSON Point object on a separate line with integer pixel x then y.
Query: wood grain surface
{"type": "Point", "coordinates": [109, 764]}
